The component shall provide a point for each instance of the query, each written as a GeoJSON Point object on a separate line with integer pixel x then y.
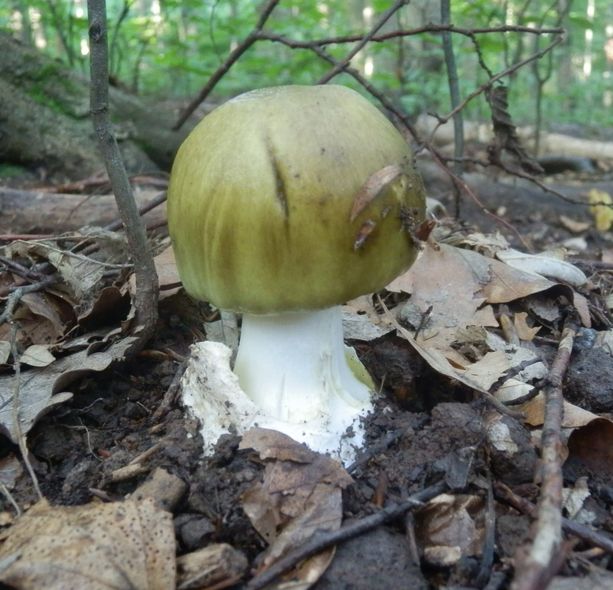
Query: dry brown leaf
{"type": "Point", "coordinates": [39, 389]}
{"type": "Point", "coordinates": [5, 351]}
{"type": "Point", "coordinates": [120, 545]}
{"type": "Point", "coordinates": [300, 494]}
{"type": "Point", "coordinates": [79, 273]}
{"type": "Point", "coordinates": [524, 331]}
{"type": "Point", "coordinates": [10, 470]}
{"type": "Point", "coordinates": [545, 264]}
{"type": "Point", "coordinates": [574, 225]}
{"type": "Point", "coordinates": [574, 416]}
{"type": "Point", "coordinates": [166, 267]}
{"type": "Point", "coordinates": [448, 283]}
{"type": "Point", "coordinates": [108, 301]}
{"type": "Point", "coordinates": [450, 527]}
{"type": "Point", "coordinates": [37, 355]}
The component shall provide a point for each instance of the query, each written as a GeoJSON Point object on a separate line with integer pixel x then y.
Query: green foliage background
{"type": "Point", "coordinates": [169, 48]}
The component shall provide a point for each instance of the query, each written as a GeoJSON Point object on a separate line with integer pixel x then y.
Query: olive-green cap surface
{"type": "Point", "coordinates": [271, 205]}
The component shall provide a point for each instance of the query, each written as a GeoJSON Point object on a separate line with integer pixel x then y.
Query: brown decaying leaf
{"type": "Point", "coordinates": [39, 389]}
{"type": "Point", "coordinates": [450, 527]}
{"type": "Point", "coordinates": [505, 132]}
{"type": "Point", "coordinates": [166, 268]}
{"type": "Point", "coordinates": [574, 416]}
{"type": "Point", "coordinates": [374, 186]}
{"type": "Point", "coordinates": [300, 494]}
{"type": "Point", "coordinates": [120, 545]}
{"type": "Point", "coordinates": [524, 331]}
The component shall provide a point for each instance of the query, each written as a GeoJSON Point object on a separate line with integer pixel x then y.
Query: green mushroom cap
{"type": "Point", "coordinates": [293, 198]}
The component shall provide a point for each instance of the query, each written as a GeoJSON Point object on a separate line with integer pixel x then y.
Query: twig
{"type": "Point", "coordinates": [572, 527]}
{"type": "Point", "coordinates": [21, 437]}
{"type": "Point", "coordinates": [157, 200]}
{"type": "Point", "coordinates": [536, 569]}
{"type": "Point", "coordinates": [436, 28]}
{"type": "Point", "coordinates": [454, 90]}
{"type": "Point", "coordinates": [170, 394]}
{"type": "Point", "coordinates": [389, 439]}
{"type": "Point", "coordinates": [7, 494]}
{"type": "Point", "coordinates": [221, 71]}
{"type": "Point", "coordinates": [502, 74]}
{"type": "Point", "coordinates": [341, 65]}
{"type": "Point", "coordinates": [322, 540]}
{"type": "Point", "coordinates": [489, 542]}
{"type": "Point", "coordinates": [411, 538]}
{"type": "Point", "coordinates": [146, 297]}
{"type": "Point", "coordinates": [14, 298]}
{"type": "Point", "coordinates": [429, 28]}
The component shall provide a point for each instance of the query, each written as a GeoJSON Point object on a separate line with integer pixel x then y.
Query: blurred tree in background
{"type": "Point", "coordinates": [169, 48]}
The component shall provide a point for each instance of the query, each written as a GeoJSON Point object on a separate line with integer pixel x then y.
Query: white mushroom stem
{"type": "Point", "coordinates": [294, 366]}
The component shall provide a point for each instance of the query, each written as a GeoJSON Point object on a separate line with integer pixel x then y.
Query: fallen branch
{"type": "Point", "coordinates": [322, 540]}
{"type": "Point", "coordinates": [539, 565]}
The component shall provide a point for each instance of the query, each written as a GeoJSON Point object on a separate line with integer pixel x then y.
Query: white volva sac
{"type": "Point", "coordinates": [294, 375]}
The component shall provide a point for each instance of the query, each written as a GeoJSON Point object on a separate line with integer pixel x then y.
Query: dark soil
{"type": "Point", "coordinates": [425, 429]}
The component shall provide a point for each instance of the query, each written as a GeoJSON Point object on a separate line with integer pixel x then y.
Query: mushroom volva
{"type": "Point", "coordinates": [283, 204]}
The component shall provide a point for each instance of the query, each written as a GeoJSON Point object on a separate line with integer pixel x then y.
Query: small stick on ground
{"type": "Point", "coordinates": [19, 434]}
{"type": "Point", "coordinates": [15, 297]}
{"type": "Point", "coordinates": [489, 542]}
{"type": "Point", "coordinates": [322, 540]}
{"type": "Point", "coordinates": [584, 532]}
{"type": "Point", "coordinates": [389, 439]}
{"type": "Point", "coordinates": [171, 393]}
{"type": "Point", "coordinates": [539, 565]}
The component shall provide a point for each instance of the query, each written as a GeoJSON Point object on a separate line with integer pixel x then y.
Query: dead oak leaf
{"type": "Point", "coordinates": [301, 493]}
{"type": "Point", "coordinates": [120, 545]}
{"type": "Point", "coordinates": [40, 388]}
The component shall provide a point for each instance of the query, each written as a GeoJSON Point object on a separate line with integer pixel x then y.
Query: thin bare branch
{"type": "Point", "coordinates": [340, 66]}
{"type": "Point", "coordinates": [502, 74]}
{"type": "Point", "coordinates": [221, 71]}
{"type": "Point", "coordinates": [146, 297]}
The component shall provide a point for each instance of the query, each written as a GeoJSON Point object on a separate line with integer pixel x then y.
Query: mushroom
{"type": "Point", "coordinates": [283, 204]}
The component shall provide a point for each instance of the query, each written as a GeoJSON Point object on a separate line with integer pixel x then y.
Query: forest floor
{"type": "Point", "coordinates": [120, 428]}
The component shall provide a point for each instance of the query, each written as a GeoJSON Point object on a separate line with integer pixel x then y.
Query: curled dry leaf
{"type": "Point", "coordinates": [78, 272]}
{"type": "Point", "coordinates": [120, 545]}
{"type": "Point", "coordinates": [450, 527]}
{"type": "Point", "coordinates": [41, 388]}
{"type": "Point", "coordinates": [574, 416]}
{"type": "Point", "coordinates": [37, 355]}
{"type": "Point", "coordinates": [299, 495]}
{"type": "Point", "coordinates": [5, 351]}
{"type": "Point", "coordinates": [574, 498]}
{"type": "Point", "coordinates": [544, 265]}
{"type": "Point", "coordinates": [10, 470]}
{"type": "Point", "coordinates": [166, 268]}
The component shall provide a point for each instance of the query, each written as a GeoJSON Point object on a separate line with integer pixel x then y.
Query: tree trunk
{"type": "Point", "coordinates": [45, 122]}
